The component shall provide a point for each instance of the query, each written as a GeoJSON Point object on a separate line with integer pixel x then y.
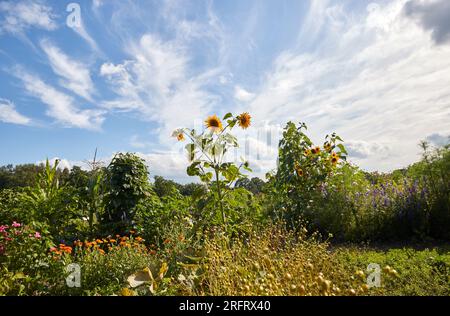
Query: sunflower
{"type": "Point", "coordinates": [244, 120]}
{"type": "Point", "coordinates": [317, 150]}
{"type": "Point", "coordinates": [178, 133]}
{"type": "Point", "coordinates": [298, 170]}
{"type": "Point", "coordinates": [307, 152]}
{"type": "Point", "coordinates": [334, 158]}
{"type": "Point", "coordinates": [214, 123]}
{"type": "Point", "coordinates": [327, 147]}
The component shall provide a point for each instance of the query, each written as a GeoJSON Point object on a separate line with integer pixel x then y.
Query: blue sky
{"type": "Point", "coordinates": [377, 73]}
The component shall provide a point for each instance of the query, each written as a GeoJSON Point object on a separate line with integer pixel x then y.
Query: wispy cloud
{"type": "Point", "coordinates": [155, 82]}
{"type": "Point", "coordinates": [18, 16]}
{"type": "Point", "coordinates": [76, 75]}
{"type": "Point", "coordinates": [8, 113]}
{"type": "Point", "coordinates": [380, 82]}
{"type": "Point", "coordinates": [60, 106]}
{"type": "Point", "coordinates": [242, 95]}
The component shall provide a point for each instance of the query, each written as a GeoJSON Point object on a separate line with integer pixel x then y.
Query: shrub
{"type": "Point", "coordinates": [127, 185]}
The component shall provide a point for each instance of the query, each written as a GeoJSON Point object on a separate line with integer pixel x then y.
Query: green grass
{"type": "Point", "coordinates": [420, 272]}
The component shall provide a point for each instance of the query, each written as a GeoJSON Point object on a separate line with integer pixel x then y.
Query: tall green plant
{"type": "Point", "coordinates": [207, 154]}
{"type": "Point", "coordinates": [127, 185]}
{"type": "Point", "coordinates": [302, 168]}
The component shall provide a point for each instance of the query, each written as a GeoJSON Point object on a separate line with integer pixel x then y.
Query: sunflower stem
{"type": "Point", "coordinates": [219, 193]}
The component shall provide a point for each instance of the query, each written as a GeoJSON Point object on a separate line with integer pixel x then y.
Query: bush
{"type": "Point", "coordinates": [127, 185]}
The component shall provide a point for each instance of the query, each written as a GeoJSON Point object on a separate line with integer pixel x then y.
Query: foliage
{"type": "Point", "coordinates": [276, 261]}
{"type": "Point", "coordinates": [302, 168]}
{"type": "Point", "coordinates": [24, 259]}
{"type": "Point", "coordinates": [207, 154]}
{"type": "Point", "coordinates": [254, 185]}
{"type": "Point", "coordinates": [127, 185]}
{"type": "Point", "coordinates": [224, 236]}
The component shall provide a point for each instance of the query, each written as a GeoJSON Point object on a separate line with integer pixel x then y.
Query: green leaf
{"type": "Point", "coordinates": [342, 148]}
{"type": "Point", "coordinates": [227, 116]}
{"type": "Point", "coordinates": [231, 123]}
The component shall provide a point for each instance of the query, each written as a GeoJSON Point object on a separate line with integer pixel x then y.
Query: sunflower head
{"type": "Point", "coordinates": [178, 133]}
{"type": "Point", "coordinates": [307, 152]}
{"type": "Point", "coordinates": [327, 147]}
{"type": "Point", "coordinates": [317, 150]}
{"type": "Point", "coordinates": [180, 137]}
{"type": "Point", "coordinates": [214, 123]}
{"type": "Point", "coordinates": [244, 120]}
{"type": "Point", "coordinates": [334, 158]}
{"type": "Point", "coordinates": [298, 170]}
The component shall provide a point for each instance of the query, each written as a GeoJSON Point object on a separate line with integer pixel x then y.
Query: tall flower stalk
{"type": "Point", "coordinates": [207, 155]}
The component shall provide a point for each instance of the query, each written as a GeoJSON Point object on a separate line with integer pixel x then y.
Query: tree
{"type": "Point", "coordinates": [254, 185]}
{"type": "Point", "coordinates": [164, 187]}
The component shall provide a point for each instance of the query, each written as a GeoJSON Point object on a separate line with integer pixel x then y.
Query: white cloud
{"type": "Point", "coordinates": [97, 3]}
{"type": "Point", "coordinates": [379, 80]}
{"type": "Point", "coordinates": [156, 82]}
{"type": "Point", "coordinates": [21, 15]}
{"type": "Point", "coordinates": [169, 165]}
{"type": "Point", "coordinates": [60, 106]}
{"type": "Point", "coordinates": [62, 163]}
{"type": "Point", "coordinates": [76, 75]}
{"type": "Point", "coordinates": [8, 113]}
{"type": "Point", "coordinates": [243, 95]}
{"type": "Point", "coordinates": [362, 149]}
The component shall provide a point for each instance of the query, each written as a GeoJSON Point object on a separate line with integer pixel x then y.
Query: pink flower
{"type": "Point", "coordinates": [37, 235]}
{"type": "Point", "coordinates": [15, 224]}
{"type": "Point", "coordinates": [3, 228]}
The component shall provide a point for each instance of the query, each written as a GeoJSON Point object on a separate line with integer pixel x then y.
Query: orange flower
{"type": "Point", "coordinates": [244, 120]}
{"type": "Point", "coordinates": [152, 252]}
{"type": "Point", "coordinates": [139, 239]}
{"type": "Point", "coordinates": [112, 240]}
{"type": "Point", "coordinates": [99, 241]}
{"type": "Point", "coordinates": [132, 232]}
{"type": "Point", "coordinates": [181, 238]}
{"type": "Point", "coordinates": [180, 137]}
{"type": "Point", "coordinates": [166, 241]}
